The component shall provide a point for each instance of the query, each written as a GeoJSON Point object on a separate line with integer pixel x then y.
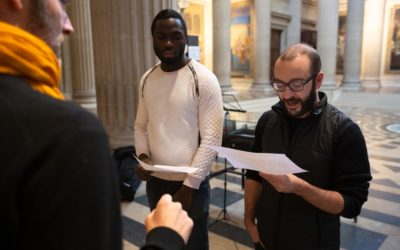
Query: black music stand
{"type": "Point", "coordinates": [229, 106]}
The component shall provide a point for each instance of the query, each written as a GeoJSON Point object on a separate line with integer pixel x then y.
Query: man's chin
{"type": "Point", "coordinates": [169, 60]}
{"type": "Point", "coordinates": [292, 110]}
{"type": "Point", "coordinates": [295, 113]}
{"type": "Point", "coordinates": [57, 51]}
{"type": "Point", "coordinates": [292, 114]}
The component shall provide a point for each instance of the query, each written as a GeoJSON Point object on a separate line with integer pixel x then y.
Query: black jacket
{"type": "Point", "coordinates": [332, 149]}
{"type": "Point", "coordinates": [58, 186]}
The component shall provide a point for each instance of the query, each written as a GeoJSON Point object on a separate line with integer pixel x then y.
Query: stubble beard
{"type": "Point", "coordinates": [42, 25]}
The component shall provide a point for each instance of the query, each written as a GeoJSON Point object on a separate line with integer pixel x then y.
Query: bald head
{"type": "Point", "coordinates": [296, 50]}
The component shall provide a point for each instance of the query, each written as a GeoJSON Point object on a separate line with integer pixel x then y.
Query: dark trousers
{"type": "Point", "coordinates": [156, 187]}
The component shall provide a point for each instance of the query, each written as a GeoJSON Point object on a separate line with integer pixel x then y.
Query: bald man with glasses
{"type": "Point", "coordinates": [302, 211]}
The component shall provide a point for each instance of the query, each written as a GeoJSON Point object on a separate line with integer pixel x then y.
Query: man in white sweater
{"type": "Point", "coordinates": [180, 112]}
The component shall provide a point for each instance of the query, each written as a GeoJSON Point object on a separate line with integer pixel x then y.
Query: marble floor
{"type": "Point", "coordinates": [377, 111]}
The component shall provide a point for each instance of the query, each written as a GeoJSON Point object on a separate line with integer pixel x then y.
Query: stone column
{"type": "Point", "coordinates": [66, 81]}
{"type": "Point", "coordinates": [294, 27]}
{"type": "Point", "coordinates": [372, 42]}
{"type": "Point", "coordinates": [353, 43]}
{"type": "Point", "coordinates": [262, 43]}
{"type": "Point", "coordinates": [81, 53]}
{"type": "Point", "coordinates": [221, 42]}
{"type": "Point", "coordinates": [123, 49]}
{"type": "Point", "coordinates": [327, 38]}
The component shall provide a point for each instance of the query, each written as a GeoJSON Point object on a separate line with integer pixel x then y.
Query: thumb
{"type": "Point", "coordinates": [166, 198]}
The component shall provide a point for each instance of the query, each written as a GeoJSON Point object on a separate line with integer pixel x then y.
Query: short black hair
{"type": "Point", "coordinates": [165, 14]}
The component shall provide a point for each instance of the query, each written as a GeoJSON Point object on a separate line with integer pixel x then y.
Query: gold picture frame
{"type": "Point", "coordinates": [392, 65]}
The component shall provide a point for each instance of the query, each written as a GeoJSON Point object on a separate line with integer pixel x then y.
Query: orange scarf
{"type": "Point", "coordinates": [23, 54]}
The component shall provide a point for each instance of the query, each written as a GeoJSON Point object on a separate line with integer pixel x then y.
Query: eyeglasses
{"type": "Point", "coordinates": [294, 85]}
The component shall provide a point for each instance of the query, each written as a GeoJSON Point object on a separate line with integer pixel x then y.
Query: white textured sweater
{"type": "Point", "coordinates": [170, 118]}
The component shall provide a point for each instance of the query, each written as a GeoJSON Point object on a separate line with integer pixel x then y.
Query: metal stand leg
{"type": "Point", "coordinates": [223, 214]}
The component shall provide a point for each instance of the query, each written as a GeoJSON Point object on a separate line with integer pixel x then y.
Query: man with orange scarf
{"type": "Point", "coordinates": [58, 187]}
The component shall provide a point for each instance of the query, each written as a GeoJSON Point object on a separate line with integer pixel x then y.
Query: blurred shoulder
{"type": "Point", "coordinates": [36, 113]}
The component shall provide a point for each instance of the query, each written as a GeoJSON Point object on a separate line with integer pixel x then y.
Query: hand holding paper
{"type": "Point", "coordinates": [164, 168]}
{"type": "Point", "coordinates": [276, 164]}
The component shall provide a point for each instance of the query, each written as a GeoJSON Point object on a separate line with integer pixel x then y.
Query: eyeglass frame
{"type": "Point", "coordinates": [287, 84]}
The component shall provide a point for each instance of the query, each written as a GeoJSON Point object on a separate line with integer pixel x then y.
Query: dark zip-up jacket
{"type": "Point", "coordinates": [331, 147]}
{"type": "Point", "coordinates": [58, 187]}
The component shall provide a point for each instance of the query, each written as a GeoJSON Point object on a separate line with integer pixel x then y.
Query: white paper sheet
{"type": "Point", "coordinates": [165, 168]}
{"type": "Point", "coordinates": [277, 164]}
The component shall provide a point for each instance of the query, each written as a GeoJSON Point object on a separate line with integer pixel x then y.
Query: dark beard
{"type": "Point", "coordinates": [307, 105]}
{"type": "Point", "coordinates": [170, 61]}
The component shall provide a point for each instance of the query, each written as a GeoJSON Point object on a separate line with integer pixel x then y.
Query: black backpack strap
{"type": "Point", "coordinates": [196, 79]}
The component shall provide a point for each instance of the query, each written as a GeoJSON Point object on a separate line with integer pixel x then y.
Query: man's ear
{"type": "Point", "coordinates": [318, 80]}
{"type": "Point", "coordinates": [17, 4]}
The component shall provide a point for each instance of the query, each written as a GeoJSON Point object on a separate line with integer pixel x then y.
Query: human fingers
{"type": "Point", "coordinates": [253, 232]}
{"type": "Point", "coordinates": [266, 176]}
{"type": "Point", "coordinates": [165, 200]}
{"type": "Point", "coordinates": [185, 225]}
{"type": "Point", "coordinates": [170, 214]}
{"type": "Point", "coordinates": [164, 214]}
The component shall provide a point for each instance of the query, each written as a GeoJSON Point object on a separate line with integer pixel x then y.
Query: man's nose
{"type": "Point", "coordinates": [67, 25]}
{"type": "Point", "coordinates": [287, 93]}
{"type": "Point", "coordinates": [169, 43]}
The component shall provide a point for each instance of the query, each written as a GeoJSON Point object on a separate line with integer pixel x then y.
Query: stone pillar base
{"type": "Point", "coordinates": [91, 107]}
{"type": "Point", "coordinates": [81, 99]}
{"type": "Point", "coordinates": [351, 85]}
{"type": "Point", "coordinates": [87, 102]}
{"type": "Point", "coordinates": [226, 89]}
{"type": "Point", "coordinates": [374, 82]}
{"type": "Point", "coordinates": [67, 96]}
{"type": "Point", "coordinates": [330, 83]}
{"type": "Point", "coordinates": [264, 87]}
{"type": "Point", "coordinates": [332, 92]}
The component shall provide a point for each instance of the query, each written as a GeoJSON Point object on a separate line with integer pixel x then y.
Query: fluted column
{"type": "Point", "coordinates": [65, 62]}
{"type": "Point", "coordinates": [294, 27]}
{"type": "Point", "coordinates": [372, 42]}
{"type": "Point", "coordinates": [123, 52]}
{"type": "Point", "coordinates": [81, 53]}
{"type": "Point", "coordinates": [221, 42]}
{"type": "Point", "coordinates": [327, 38]}
{"type": "Point", "coordinates": [353, 43]}
{"type": "Point", "coordinates": [262, 43]}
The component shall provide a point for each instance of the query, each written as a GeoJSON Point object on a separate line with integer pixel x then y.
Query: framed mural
{"type": "Point", "coordinates": [240, 38]}
{"type": "Point", "coordinates": [393, 52]}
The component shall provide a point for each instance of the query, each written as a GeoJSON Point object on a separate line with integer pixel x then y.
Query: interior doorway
{"type": "Point", "coordinates": [275, 49]}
